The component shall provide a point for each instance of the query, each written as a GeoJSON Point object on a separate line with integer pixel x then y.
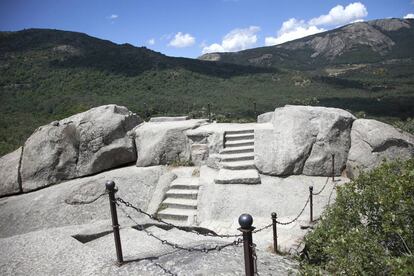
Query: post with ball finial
{"type": "Point", "coordinates": [110, 187]}
{"type": "Point", "coordinates": [246, 221]}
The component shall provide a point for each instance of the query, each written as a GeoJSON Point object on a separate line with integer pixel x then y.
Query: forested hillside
{"type": "Point", "coordinates": [49, 74]}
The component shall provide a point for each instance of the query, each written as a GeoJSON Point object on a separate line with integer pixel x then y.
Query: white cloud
{"type": "Point", "coordinates": [294, 28]}
{"type": "Point", "coordinates": [340, 15]}
{"type": "Point", "coordinates": [236, 40]}
{"type": "Point", "coordinates": [409, 16]}
{"type": "Point", "coordinates": [292, 34]}
{"type": "Point", "coordinates": [151, 41]}
{"type": "Point", "coordinates": [113, 17]}
{"type": "Point", "coordinates": [181, 40]}
{"type": "Point", "coordinates": [358, 20]}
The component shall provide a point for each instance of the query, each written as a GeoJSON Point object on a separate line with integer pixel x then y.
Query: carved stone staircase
{"type": "Point", "coordinates": [180, 203]}
{"type": "Point", "coordinates": [237, 159]}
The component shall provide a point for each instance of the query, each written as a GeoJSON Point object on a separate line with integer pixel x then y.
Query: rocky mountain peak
{"type": "Point", "coordinates": [333, 44]}
{"type": "Point", "coordinates": [369, 41]}
{"type": "Point", "coordinates": [392, 24]}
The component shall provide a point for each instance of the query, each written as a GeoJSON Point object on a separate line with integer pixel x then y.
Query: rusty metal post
{"type": "Point", "coordinates": [246, 221]}
{"type": "Point", "coordinates": [209, 112]}
{"type": "Point", "coordinates": [311, 202]}
{"type": "Point", "coordinates": [274, 218]}
{"type": "Point", "coordinates": [110, 187]}
{"type": "Point", "coordinates": [333, 167]}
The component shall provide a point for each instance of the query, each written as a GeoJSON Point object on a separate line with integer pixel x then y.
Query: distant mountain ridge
{"type": "Point", "coordinates": [47, 75]}
{"type": "Point", "coordinates": [74, 49]}
{"type": "Point", "coordinates": [360, 42]}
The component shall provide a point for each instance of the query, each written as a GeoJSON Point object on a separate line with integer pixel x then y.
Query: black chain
{"type": "Point", "coordinates": [263, 228]}
{"type": "Point", "coordinates": [323, 188]}
{"type": "Point", "coordinates": [296, 218]}
{"type": "Point", "coordinates": [128, 204]}
{"type": "Point", "coordinates": [176, 246]}
{"type": "Point", "coordinates": [88, 201]}
{"type": "Point", "coordinates": [166, 271]}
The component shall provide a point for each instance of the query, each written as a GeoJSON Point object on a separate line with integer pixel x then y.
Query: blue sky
{"type": "Point", "coordinates": [191, 27]}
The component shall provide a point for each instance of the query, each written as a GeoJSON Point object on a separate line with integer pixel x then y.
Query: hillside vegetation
{"type": "Point", "coordinates": [49, 74]}
{"type": "Point", "coordinates": [370, 228]}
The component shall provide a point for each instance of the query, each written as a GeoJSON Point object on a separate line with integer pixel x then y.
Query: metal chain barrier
{"type": "Point", "coordinates": [128, 204]}
{"type": "Point", "coordinates": [88, 201]}
{"type": "Point", "coordinates": [323, 188]}
{"type": "Point", "coordinates": [166, 271]}
{"type": "Point", "coordinates": [245, 221]}
{"type": "Point", "coordinates": [297, 217]}
{"type": "Point", "coordinates": [263, 228]}
{"type": "Point", "coordinates": [177, 246]}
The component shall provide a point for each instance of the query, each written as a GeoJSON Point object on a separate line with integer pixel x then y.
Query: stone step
{"type": "Point", "coordinates": [182, 193]}
{"type": "Point", "coordinates": [239, 143]}
{"type": "Point", "coordinates": [186, 183]}
{"type": "Point", "coordinates": [236, 150]}
{"type": "Point", "coordinates": [238, 177]}
{"type": "Point", "coordinates": [240, 131]}
{"type": "Point", "coordinates": [180, 203]}
{"type": "Point", "coordinates": [238, 165]}
{"type": "Point", "coordinates": [176, 214]}
{"type": "Point", "coordinates": [242, 136]}
{"type": "Point", "coordinates": [237, 157]}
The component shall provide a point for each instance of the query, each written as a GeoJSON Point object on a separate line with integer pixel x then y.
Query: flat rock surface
{"type": "Point", "coordinates": [56, 252]}
{"type": "Point", "coordinates": [65, 204]}
{"type": "Point", "coordinates": [237, 177]}
{"type": "Point", "coordinates": [168, 119]}
{"type": "Point", "coordinates": [220, 205]}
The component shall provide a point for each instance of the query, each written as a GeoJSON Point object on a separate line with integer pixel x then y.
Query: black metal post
{"type": "Point", "coordinates": [146, 115]}
{"type": "Point", "coordinates": [224, 140]}
{"type": "Point", "coordinates": [209, 112]}
{"type": "Point", "coordinates": [246, 221]}
{"type": "Point", "coordinates": [255, 110]}
{"type": "Point", "coordinates": [333, 167]}
{"type": "Point", "coordinates": [311, 202]}
{"type": "Point", "coordinates": [274, 218]}
{"type": "Point", "coordinates": [110, 187]}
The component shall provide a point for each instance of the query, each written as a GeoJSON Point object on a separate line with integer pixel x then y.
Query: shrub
{"type": "Point", "coordinates": [407, 125]}
{"type": "Point", "coordinates": [370, 228]}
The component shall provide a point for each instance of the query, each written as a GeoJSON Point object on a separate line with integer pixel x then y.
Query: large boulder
{"type": "Point", "coordinates": [161, 143]}
{"type": "Point", "coordinates": [373, 142]}
{"type": "Point", "coordinates": [302, 139]}
{"type": "Point", "coordinates": [83, 144]}
{"type": "Point", "coordinates": [9, 173]}
{"type": "Point", "coordinates": [265, 117]}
